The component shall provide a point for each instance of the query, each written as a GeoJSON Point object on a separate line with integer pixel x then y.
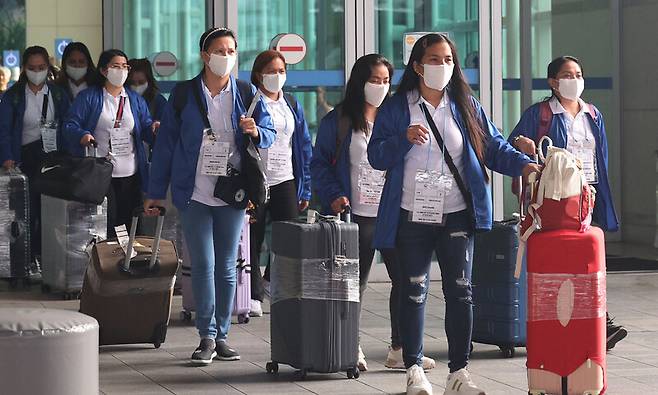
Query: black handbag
{"type": "Point", "coordinates": [85, 180]}
{"type": "Point", "coordinates": [237, 188]}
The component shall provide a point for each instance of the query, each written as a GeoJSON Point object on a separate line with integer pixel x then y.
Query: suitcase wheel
{"type": "Point", "coordinates": [352, 373]}
{"type": "Point", "coordinates": [186, 316]}
{"type": "Point", "coordinates": [243, 319]}
{"type": "Point", "coordinates": [301, 374]}
{"type": "Point", "coordinates": [157, 344]}
{"type": "Point", "coordinates": [508, 352]}
{"type": "Point", "coordinates": [272, 367]}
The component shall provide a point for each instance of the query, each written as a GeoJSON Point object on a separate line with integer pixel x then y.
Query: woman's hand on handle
{"type": "Point", "coordinates": [151, 207]}
{"type": "Point", "coordinates": [86, 140]}
{"type": "Point", "coordinates": [338, 205]}
{"type": "Point", "coordinates": [529, 169]}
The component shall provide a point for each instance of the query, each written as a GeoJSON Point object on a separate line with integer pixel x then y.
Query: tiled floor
{"type": "Point", "coordinates": [632, 365]}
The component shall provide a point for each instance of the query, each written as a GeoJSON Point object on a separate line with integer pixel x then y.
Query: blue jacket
{"type": "Point", "coordinates": [176, 153]}
{"type": "Point", "coordinates": [389, 145]}
{"type": "Point", "coordinates": [302, 150]}
{"type": "Point", "coordinates": [12, 110]}
{"type": "Point", "coordinates": [83, 118]}
{"type": "Point", "coordinates": [604, 209]}
{"type": "Point", "coordinates": [156, 106]}
{"type": "Point", "coordinates": [330, 180]}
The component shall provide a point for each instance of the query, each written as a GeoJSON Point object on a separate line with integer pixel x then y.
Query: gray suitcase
{"type": "Point", "coordinates": [15, 262]}
{"type": "Point", "coordinates": [314, 324]}
{"type": "Point", "coordinates": [67, 232]}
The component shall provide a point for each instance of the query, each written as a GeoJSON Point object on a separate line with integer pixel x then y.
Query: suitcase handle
{"type": "Point", "coordinates": [156, 240]}
{"type": "Point", "coordinates": [347, 213]}
{"type": "Point", "coordinates": [15, 230]}
{"type": "Point", "coordinates": [94, 144]}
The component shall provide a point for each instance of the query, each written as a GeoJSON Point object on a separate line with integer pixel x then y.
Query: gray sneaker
{"type": "Point", "coordinates": [225, 352]}
{"type": "Point", "coordinates": [204, 354]}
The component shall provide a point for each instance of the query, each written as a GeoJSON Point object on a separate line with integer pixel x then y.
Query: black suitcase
{"type": "Point", "coordinates": [314, 323]}
{"type": "Point", "coordinates": [15, 256]}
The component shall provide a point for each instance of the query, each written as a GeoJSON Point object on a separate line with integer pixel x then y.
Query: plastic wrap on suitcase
{"type": "Point", "coordinates": [68, 230]}
{"type": "Point", "coordinates": [14, 225]}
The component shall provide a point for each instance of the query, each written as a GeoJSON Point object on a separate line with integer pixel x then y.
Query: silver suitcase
{"type": "Point", "coordinates": [15, 255]}
{"type": "Point", "coordinates": [68, 231]}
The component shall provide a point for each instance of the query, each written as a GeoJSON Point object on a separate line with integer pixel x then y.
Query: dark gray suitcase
{"type": "Point", "coordinates": [314, 323]}
{"type": "Point", "coordinates": [14, 226]}
{"type": "Point", "coordinates": [67, 232]}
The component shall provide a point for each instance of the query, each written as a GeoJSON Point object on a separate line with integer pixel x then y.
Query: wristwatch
{"type": "Point", "coordinates": [516, 139]}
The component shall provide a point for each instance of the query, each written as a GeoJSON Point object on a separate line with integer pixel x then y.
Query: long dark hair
{"type": "Point", "coordinates": [555, 66]}
{"type": "Point", "coordinates": [143, 65]}
{"type": "Point", "coordinates": [355, 97]}
{"type": "Point", "coordinates": [62, 78]}
{"type": "Point", "coordinates": [103, 60]}
{"type": "Point", "coordinates": [27, 54]}
{"type": "Point", "coordinates": [458, 89]}
{"type": "Point", "coordinates": [263, 59]}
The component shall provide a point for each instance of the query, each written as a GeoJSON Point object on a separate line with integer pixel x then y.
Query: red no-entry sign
{"type": "Point", "coordinates": [291, 45]}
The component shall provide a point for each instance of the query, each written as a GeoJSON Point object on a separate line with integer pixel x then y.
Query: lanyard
{"type": "Point", "coordinates": [119, 117]}
{"type": "Point", "coordinates": [44, 109]}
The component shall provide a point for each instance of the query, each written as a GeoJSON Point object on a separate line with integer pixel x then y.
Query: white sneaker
{"type": "Point", "coordinates": [459, 383]}
{"type": "Point", "coordinates": [394, 360]}
{"type": "Point", "coordinates": [255, 308]}
{"type": "Point", "coordinates": [361, 363]}
{"type": "Point", "coordinates": [417, 383]}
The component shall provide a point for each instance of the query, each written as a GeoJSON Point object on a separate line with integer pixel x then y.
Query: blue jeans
{"type": "Point", "coordinates": [212, 235]}
{"type": "Point", "coordinates": [453, 244]}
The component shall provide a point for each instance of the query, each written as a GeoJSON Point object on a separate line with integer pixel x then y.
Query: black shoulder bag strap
{"type": "Point", "coordinates": [203, 110]}
{"type": "Point", "coordinates": [446, 156]}
{"type": "Point", "coordinates": [44, 109]}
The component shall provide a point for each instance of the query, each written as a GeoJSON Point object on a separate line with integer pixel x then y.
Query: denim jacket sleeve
{"type": "Point", "coordinates": [323, 168]}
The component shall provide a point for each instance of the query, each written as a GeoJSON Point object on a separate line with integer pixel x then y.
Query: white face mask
{"type": "Point", "coordinates": [375, 93]}
{"type": "Point", "coordinates": [36, 77]}
{"type": "Point", "coordinates": [437, 76]}
{"type": "Point", "coordinates": [140, 89]}
{"type": "Point", "coordinates": [117, 77]}
{"type": "Point", "coordinates": [274, 82]}
{"type": "Point", "coordinates": [221, 65]}
{"type": "Point", "coordinates": [76, 73]}
{"type": "Point", "coordinates": [571, 88]}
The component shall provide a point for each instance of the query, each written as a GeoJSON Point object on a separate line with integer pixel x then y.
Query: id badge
{"type": "Point", "coordinates": [585, 154]}
{"type": "Point", "coordinates": [215, 155]}
{"type": "Point", "coordinates": [277, 157]}
{"type": "Point", "coordinates": [371, 184]}
{"type": "Point", "coordinates": [120, 142]}
{"type": "Point", "coordinates": [429, 196]}
{"type": "Point", "coordinates": [49, 137]}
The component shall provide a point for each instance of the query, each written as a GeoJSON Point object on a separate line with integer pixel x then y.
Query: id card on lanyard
{"type": "Point", "coordinates": [371, 184]}
{"type": "Point", "coordinates": [585, 151]}
{"type": "Point", "coordinates": [214, 161]}
{"type": "Point", "coordinates": [120, 140]}
{"type": "Point", "coordinates": [429, 196]}
{"type": "Point", "coordinates": [278, 156]}
{"type": "Point", "coordinates": [48, 129]}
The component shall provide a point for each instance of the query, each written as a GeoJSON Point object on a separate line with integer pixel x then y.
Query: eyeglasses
{"type": "Point", "coordinates": [119, 66]}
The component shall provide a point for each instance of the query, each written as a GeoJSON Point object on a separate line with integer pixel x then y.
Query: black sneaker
{"type": "Point", "coordinates": [204, 354]}
{"type": "Point", "coordinates": [614, 333]}
{"type": "Point", "coordinates": [225, 352]}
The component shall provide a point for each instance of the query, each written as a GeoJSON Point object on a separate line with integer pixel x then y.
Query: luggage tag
{"type": "Point", "coordinates": [215, 155]}
{"type": "Point", "coordinates": [49, 136]}
{"type": "Point", "coordinates": [429, 196]}
{"type": "Point", "coordinates": [371, 184]}
{"type": "Point", "coordinates": [122, 238]}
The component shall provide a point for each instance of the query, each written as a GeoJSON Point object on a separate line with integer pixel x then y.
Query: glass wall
{"type": "Point", "coordinates": [151, 26]}
{"type": "Point", "coordinates": [317, 82]}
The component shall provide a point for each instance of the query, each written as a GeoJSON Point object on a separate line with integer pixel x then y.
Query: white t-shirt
{"type": "Point", "coordinates": [32, 115]}
{"type": "Point", "coordinates": [358, 163]}
{"type": "Point", "coordinates": [124, 165]}
{"type": "Point", "coordinates": [278, 157]}
{"type": "Point", "coordinates": [220, 110]}
{"type": "Point", "coordinates": [428, 156]}
{"type": "Point", "coordinates": [76, 89]}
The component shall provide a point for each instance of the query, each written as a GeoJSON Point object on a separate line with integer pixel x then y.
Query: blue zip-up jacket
{"type": "Point", "coordinates": [389, 146]}
{"type": "Point", "coordinates": [176, 153]}
{"type": "Point", "coordinates": [604, 209]}
{"type": "Point", "coordinates": [156, 106]}
{"type": "Point", "coordinates": [12, 110]}
{"type": "Point", "coordinates": [330, 180]}
{"type": "Point", "coordinates": [83, 118]}
{"type": "Point", "coordinates": [302, 150]}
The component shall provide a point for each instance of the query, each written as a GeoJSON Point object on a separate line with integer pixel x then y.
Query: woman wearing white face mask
{"type": "Point", "coordinates": [287, 162]}
{"type": "Point", "coordinates": [577, 126]}
{"type": "Point", "coordinates": [31, 114]}
{"type": "Point", "coordinates": [118, 120]}
{"type": "Point", "coordinates": [433, 138]}
{"type": "Point", "coordinates": [342, 176]}
{"type": "Point", "coordinates": [142, 81]}
{"type": "Point", "coordinates": [77, 69]}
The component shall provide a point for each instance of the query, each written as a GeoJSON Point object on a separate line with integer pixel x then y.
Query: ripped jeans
{"type": "Point", "coordinates": [453, 244]}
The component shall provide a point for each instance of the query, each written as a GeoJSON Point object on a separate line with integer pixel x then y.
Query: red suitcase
{"type": "Point", "coordinates": [566, 312]}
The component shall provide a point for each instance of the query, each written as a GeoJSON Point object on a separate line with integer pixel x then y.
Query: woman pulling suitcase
{"type": "Point", "coordinates": [201, 145]}
{"type": "Point", "coordinates": [434, 140]}
{"type": "Point", "coordinates": [342, 176]}
{"type": "Point", "coordinates": [577, 126]}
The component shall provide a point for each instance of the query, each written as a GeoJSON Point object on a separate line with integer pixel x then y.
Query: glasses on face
{"type": "Point", "coordinates": [120, 66]}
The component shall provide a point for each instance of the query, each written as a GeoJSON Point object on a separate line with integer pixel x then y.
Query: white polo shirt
{"type": "Point", "coordinates": [428, 156]}
{"type": "Point", "coordinates": [124, 165]}
{"type": "Point", "coordinates": [32, 115]}
{"type": "Point", "coordinates": [279, 156]}
{"type": "Point", "coordinates": [76, 89]}
{"type": "Point", "coordinates": [579, 130]}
